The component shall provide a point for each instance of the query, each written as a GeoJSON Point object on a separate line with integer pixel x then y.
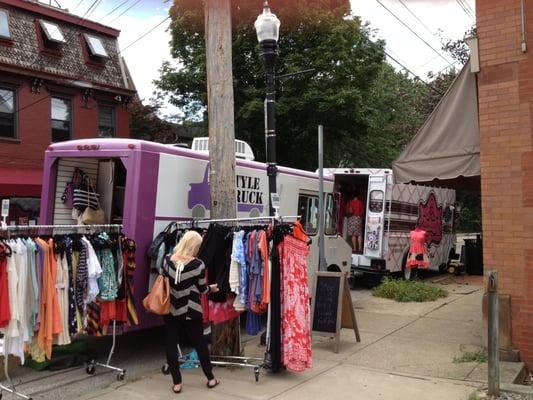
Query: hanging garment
{"type": "Point", "coordinates": [265, 275]}
{"type": "Point", "coordinates": [107, 281]}
{"type": "Point", "coordinates": [75, 261]}
{"type": "Point", "coordinates": [34, 285]}
{"type": "Point", "coordinates": [62, 286]}
{"type": "Point", "coordinates": [5, 312]}
{"type": "Point", "coordinates": [81, 278]}
{"type": "Point", "coordinates": [39, 268]}
{"type": "Point", "coordinates": [50, 316]}
{"type": "Point", "coordinates": [94, 271]}
{"type": "Point", "coordinates": [273, 361]}
{"type": "Point", "coordinates": [417, 257]}
{"type": "Point", "coordinates": [295, 309]}
{"type": "Point", "coordinates": [128, 254]}
{"type": "Point", "coordinates": [215, 252]}
{"type": "Point", "coordinates": [253, 323]}
{"type": "Point", "coordinates": [244, 272]}
{"type": "Point", "coordinates": [13, 343]}
{"type": "Point", "coordinates": [72, 323]}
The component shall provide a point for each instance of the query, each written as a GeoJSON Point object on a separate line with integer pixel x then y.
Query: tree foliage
{"type": "Point", "coordinates": [369, 110]}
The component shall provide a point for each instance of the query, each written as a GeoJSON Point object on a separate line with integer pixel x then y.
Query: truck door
{"type": "Point", "coordinates": [375, 216]}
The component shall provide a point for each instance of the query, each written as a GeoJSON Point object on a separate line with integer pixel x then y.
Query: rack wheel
{"type": "Point", "coordinates": [120, 376]}
{"type": "Point", "coordinates": [165, 369]}
{"type": "Point", "coordinates": [90, 369]}
{"type": "Point", "coordinates": [256, 373]}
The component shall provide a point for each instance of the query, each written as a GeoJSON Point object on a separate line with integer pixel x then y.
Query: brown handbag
{"type": "Point", "coordinates": [158, 300]}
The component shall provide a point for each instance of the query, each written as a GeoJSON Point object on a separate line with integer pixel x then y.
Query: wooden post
{"type": "Point", "coordinates": [226, 337]}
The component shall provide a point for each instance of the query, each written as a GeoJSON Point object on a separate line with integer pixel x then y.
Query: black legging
{"type": "Point", "coordinates": [176, 326]}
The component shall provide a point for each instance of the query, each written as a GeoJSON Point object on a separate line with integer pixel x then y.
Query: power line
{"type": "Point", "coordinates": [124, 12]}
{"type": "Point", "coordinates": [412, 73]}
{"type": "Point", "coordinates": [418, 19]}
{"type": "Point", "coordinates": [469, 15]}
{"type": "Point", "coordinates": [412, 31]}
{"type": "Point", "coordinates": [114, 9]}
{"type": "Point", "coordinates": [145, 34]}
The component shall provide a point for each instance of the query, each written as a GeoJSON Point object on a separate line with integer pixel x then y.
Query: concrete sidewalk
{"type": "Point", "coordinates": [407, 352]}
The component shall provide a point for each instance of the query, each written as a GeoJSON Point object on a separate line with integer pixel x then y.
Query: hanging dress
{"type": "Point", "coordinates": [418, 257]}
{"type": "Point", "coordinates": [5, 312]}
{"type": "Point", "coordinates": [296, 353]}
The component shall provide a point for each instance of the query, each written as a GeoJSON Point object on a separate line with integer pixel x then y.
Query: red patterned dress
{"type": "Point", "coordinates": [296, 353]}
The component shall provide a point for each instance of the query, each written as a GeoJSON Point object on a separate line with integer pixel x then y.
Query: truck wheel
{"type": "Point", "coordinates": [334, 268]}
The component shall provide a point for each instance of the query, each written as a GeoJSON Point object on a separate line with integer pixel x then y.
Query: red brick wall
{"type": "Point", "coordinates": [505, 87]}
{"type": "Point", "coordinates": [34, 125]}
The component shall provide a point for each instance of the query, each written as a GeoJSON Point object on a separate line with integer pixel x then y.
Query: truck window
{"type": "Point", "coordinates": [308, 210]}
{"type": "Point", "coordinates": [376, 201]}
{"type": "Point", "coordinates": [330, 226]}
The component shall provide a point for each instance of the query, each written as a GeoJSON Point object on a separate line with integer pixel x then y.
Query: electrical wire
{"type": "Point", "coordinates": [124, 12]}
{"type": "Point", "coordinates": [412, 73]}
{"type": "Point", "coordinates": [113, 10]}
{"type": "Point", "coordinates": [416, 17]}
{"type": "Point", "coordinates": [412, 31]}
{"type": "Point", "coordinates": [469, 15]}
{"type": "Point", "coordinates": [145, 34]}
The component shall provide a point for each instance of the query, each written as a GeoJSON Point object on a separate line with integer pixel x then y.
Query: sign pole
{"type": "Point", "coordinates": [321, 211]}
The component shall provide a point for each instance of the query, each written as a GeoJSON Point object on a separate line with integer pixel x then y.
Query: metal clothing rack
{"type": "Point", "coordinates": [76, 229]}
{"type": "Point", "coordinates": [232, 361]}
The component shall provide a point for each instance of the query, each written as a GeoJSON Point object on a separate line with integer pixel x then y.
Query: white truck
{"type": "Point", "coordinates": [391, 211]}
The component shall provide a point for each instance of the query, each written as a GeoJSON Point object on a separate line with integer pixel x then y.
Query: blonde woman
{"type": "Point", "coordinates": [187, 283]}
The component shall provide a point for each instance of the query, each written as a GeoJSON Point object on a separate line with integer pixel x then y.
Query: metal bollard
{"type": "Point", "coordinates": [493, 335]}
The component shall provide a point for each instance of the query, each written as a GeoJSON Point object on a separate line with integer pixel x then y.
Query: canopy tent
{"type": "Point", "coordinates": [446, 148]}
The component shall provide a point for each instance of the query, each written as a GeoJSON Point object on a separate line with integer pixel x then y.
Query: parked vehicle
{"type": "Point", "coordinates": [145, 185]}
{"type": "Point", "coordinates": [392, 211]}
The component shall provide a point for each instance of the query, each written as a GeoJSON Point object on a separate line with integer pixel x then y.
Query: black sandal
{"type": "Point", "coordinates": [217, 382]}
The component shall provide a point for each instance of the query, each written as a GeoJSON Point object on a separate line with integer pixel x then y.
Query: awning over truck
{"type": "Point", "coordinates": [447, 145]}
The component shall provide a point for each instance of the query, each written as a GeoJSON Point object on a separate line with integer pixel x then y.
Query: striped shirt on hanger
{"type": "Point", "coordinates": [186, 286]}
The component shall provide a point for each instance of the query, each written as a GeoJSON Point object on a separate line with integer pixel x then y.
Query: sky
{"type": "Point", "coordinates": [423, 17]}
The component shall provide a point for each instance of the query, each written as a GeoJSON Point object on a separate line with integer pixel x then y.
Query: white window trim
{"type": "Point", "coordinates": [48, 34]}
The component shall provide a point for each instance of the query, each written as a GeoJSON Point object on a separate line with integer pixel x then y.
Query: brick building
{"type": "Point", "coordinates": [505, 88]}
{"type": "Point", "coordinates": [61, 78]}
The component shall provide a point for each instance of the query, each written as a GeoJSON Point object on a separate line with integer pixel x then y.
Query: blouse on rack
{"type": "Point", "coordinates": [51, 290]}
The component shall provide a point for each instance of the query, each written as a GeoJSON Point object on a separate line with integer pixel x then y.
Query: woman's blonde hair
{"type": "Point", "coordinates": [189, 245]}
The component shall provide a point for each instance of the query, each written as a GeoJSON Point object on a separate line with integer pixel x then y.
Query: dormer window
{"type": "Point", "coordinates": [4, 25]}
{"type": "Point", "coordinates": [52, 32]}
{"type": "Point", "coordinates": [96, 47]}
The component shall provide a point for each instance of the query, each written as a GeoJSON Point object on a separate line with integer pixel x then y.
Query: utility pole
{"type": "Point", "coordinates": [226, 337]}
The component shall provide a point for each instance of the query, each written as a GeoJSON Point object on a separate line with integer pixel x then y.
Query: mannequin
{"type": "Point", "coordinates": [418, 255]}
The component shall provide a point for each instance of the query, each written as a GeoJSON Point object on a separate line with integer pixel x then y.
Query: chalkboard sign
{"type": "Point", "coordinates": [332, 306]}
{"type": "Point", "coordinates": [326, 303]}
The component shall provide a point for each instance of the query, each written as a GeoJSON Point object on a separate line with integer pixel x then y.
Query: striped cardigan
{"type": "Point", "coordinates": [186, 288]}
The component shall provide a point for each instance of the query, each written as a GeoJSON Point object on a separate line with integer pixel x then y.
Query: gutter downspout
{"type": "Point", "coordinates": [523, 20]}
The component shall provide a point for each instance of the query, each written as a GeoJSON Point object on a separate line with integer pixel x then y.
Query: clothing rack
{"type": "Point", "coordinates": [233, 361]}
{"type": "Point", "coordinates": [90, 369]}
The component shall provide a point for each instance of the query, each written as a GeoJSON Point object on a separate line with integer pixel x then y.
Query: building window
{"type": "Point", "coordinates": [7, 113]}
{"type": "Point", "coordinates": [61, 119]}
{"type": "Point", "coordinates": [50, 38]}
{"type": "Point", "coordinates": [52, 32]}
{"type": "Point", "coordinates": [96, 47]}
{"type": "Point", "coordinates": [106, 121]}
{"type": "Point", "coordinates": [4, 25]}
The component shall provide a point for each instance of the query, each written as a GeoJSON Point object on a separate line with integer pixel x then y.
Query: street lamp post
{"type": "Point", "coordinates": [267, 27]}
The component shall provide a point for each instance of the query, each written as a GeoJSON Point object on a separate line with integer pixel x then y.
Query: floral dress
{"type": "Point", "coordinates": [296, 353]}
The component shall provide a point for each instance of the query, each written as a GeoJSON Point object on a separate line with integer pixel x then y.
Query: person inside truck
{"type": "Point", "coordinates": [354, 211]}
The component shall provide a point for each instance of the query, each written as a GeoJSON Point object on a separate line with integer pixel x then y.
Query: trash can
{"type": "Point", "coordinates": [474, 256]}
